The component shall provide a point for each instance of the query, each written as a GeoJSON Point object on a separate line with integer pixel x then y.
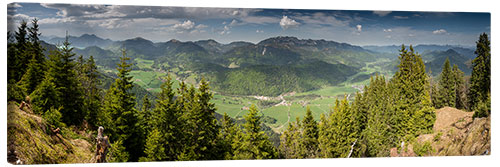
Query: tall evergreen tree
{"type": "Point", "coordinates": [309, 141]}
{"type": "Point", "coordinates": [228, 134]}
{"type": "Point", "coordinates": [460, 88]}
{"type": "Point", "coordinates": [447, 90]}
{"type": "Point", "coordinates": [480, 81]}
{"type": "Point", "coordinates": [120, 108]}
{"type": "Point", "coordinates": [413, 111]}
{"type": "Point", "coordinates": [167, 119]}
{"type": "Point", "coordinates": [202, 128]}
{"type": "Point", "coordinates": [36, 68]}
{"type": "Point", "coordinates": [255, 144]}
{"type": "Point", "coordinates": [21, 54]}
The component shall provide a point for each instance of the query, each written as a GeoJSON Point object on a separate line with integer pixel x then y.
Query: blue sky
{"type": "Point", "coordinates": [225, 25]}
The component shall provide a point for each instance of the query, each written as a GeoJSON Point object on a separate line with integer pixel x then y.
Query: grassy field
{"type": "Point", "coordinates": [320, 101]}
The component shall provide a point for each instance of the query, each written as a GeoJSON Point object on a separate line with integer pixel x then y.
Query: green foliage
{"type": "Point", "coordinates": [53, 118]}
{"type": "Point", "coordinates": [61, 73]}
{"type": "Point", "coordinates": [119, 112]}
{"type": "Point", "coordinates": [88, 76]}
{"type": "Point", "coordinates": [273, 80]}
{"type": "Point", "coordinates": [154, 148]}
{"type": "Point", "coordinates": [480, 81]}
{"type": "Point", "coordinates": [255, 143]}
{"type": "Point", "coordinates": [14, 91]}
{"type": "Point", "coordinates": [447, 90]}
{"type": "Point", "coordinates": [461, 88]}
{"type": "Point", "coordinates": [423, 149]}
{"type": "Point", "coordinates": [201, 126]}
{"type": "Point", "coordinates": [118, 152]}
{"type": "Point", "coordinates": [483, 108]}
{"type": "Point", "coordinates": [289, 146]}
{"type": "Point", "coordinates": [414, 114]}
{"type": "Point", "coordinates": [45, 96]}
{"type": "Point", "coordinates": [309, 141]}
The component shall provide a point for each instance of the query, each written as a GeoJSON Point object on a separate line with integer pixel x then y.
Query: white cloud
{"type": "Point", "coordinates": [440, 31]}
{"type": "Point", "coordinates": [401, 17]}
{"type": "Point", "coordinates": [19, 17]}
{"type": "Point", "coordinates": [286, 23]}
{"type": "Point", "coordinates": [186, 25]}
{"type": "Point", "coordinates": [381, 13]}
{"type": "Point", "coordinates": [226, 30]}
{"type": "Point", "coordinates": [388, 30]}
{"type": "Point", "coordinates": [13, 5]}
{"type": "Point", "coordinates": [234, 22]}
{"type": "Point", "coordinates": [358, 28]}
{"type": "Point", "coordinates": [259, 31]}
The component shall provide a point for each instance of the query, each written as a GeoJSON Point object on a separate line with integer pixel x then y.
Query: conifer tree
{"type": "Point", "coordinates": [309, 140]}
{"type": "Point", "coordinates": [120, 106]}
{"type": "Point", "coordinates": [36, 67]}
{"type": "Point", "coordinates": [290, 141]}
{"type": "Point", "coordinates": [228, 134]}
{"type": "Point", "coordinates": [155, 146]}
{"type": "Point", "coordinates": [480, 81]}
{"type": "Point", "coordinates": [202, 128]}
{"type": "Point", "coordinates": [460, 88]}
{"type": "Point", "coordinates": [255, 144]}
{"type": "Point", "coordinates": [21, 46]}
{"type": "Point", "coordinates": [413, 111]}
{"type": "Point", "coordinates": [167, 119]}
{"type": "Point", "coordinates": [447, 90]}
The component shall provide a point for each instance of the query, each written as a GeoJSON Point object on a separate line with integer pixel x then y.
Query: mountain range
{"type": "Point", "coordinates": [270, 67]}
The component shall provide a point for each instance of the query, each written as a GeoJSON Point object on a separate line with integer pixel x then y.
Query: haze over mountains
{"type": "Point", "coordinates": [232, 68]}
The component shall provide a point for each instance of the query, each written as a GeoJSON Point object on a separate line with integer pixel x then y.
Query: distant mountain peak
{"type": "Point", "coordinates": [174, 41]}
{"type": "Point", "coordinates": [89, 35]}
{"type": "Point", "coordinates": [451, 51]}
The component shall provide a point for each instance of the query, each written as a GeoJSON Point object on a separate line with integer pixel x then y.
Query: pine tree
{"type": "Point", "coordinates": [155, 146]}
{"type": "Point", "coordinates": [36, 68]}
{"type": "Point", "coordinates": [309, 142]}
{"type": "Point", "coordinates": [120, 109]}
{"type": "Point", "coordinates": [290, 141]}
{"type": "Point", "coordinates": [32, 77]}
{"type": "Point", "coordinates": [202, 126]}
{"type": "Point", "coordinates": [167, 119]}
{"type": "Point", "coordinates": [21, 46]}
{"type": "Point", "coordinates": [228, 134]}
{"type": "Point", "coordinates": [480, 81]}
{"type": "Point", "coordinates": [255, 144]}
{"type": "Point", "coordinates": [45, 96]}
{"type": "Point", "coordinates": [460, 88]}
{"type": "Point", "coordinates": [413, 104]}
{"type": "Point", "coordinates": [447, 90]}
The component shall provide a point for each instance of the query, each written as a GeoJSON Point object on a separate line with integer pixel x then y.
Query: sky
{"type": "Point", "coordinates": [225, 25]}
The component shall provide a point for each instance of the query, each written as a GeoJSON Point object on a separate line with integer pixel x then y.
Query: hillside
{"type": "Point", "coordinates": [436, 59]}
{"type": "Point", "coordinates": [32, 141]}
{"type": "Point", "coordinates": [456, 133]}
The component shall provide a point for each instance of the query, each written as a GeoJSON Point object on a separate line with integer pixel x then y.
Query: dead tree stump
{"type": "Point", "coordinates": [102, 147]}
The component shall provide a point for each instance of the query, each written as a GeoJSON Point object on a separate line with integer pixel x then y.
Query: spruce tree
{"type": "Point", "coordinates": [228, 134]}
{"type": "Point", "coordinates": [202, 128]}
{"type": "Point", "coordinates": [309, 140]}
{"type": "Point", "coordinates": [460, 88]}
{"type": "Point", "coordinates": [35, 69]}
{"type": "Point", "coordinates": [413, 111]}
{"type": "Point", "coordinates": [255, 144]}
{"type": "Point", "coordinates": [480, 81]}
{"type": "Point", "coordinates": [447, 90]}
{"type": "Point", "coordinates": [120, 106]}
{"type": "Point", "coordinates": [167, 118]}
{"type": "Point", "coordinates": [21, 55]}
